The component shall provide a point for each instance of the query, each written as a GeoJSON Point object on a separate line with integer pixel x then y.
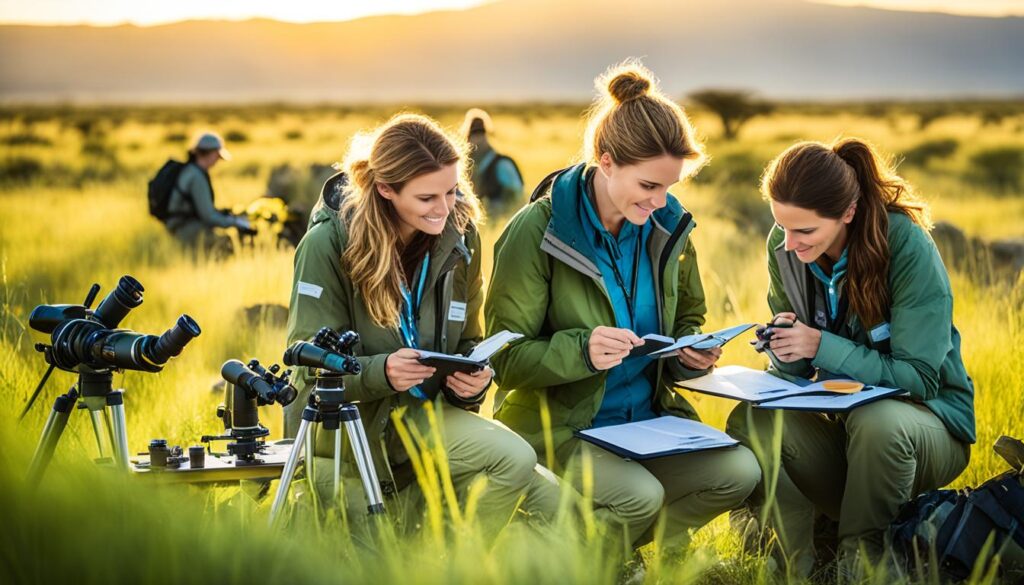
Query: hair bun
{"type": "Point", "coordinates": [629, 85]}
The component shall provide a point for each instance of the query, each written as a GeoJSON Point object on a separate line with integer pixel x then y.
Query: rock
{"type": "Point", "coordinates": [269, 314]}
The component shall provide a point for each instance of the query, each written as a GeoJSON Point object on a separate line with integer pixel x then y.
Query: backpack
{"type": "Point", "coordinates": [161, 186]}
{"type": "Point", "coordinates": [951, 527]}
{"type": "Point", "coordinates": [491, 189]}
{"type": "Point", "coordinates": [541, 190]}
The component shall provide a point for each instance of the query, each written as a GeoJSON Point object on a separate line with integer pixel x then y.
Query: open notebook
{"type": "Point", "coordinates": [767, 391]}
{"type": "Point", "coordinates": [657, 437]}
{"type": "Point", "coordinates": [661, 346]}
{"type": "Point", "coordinates": [447, 364]}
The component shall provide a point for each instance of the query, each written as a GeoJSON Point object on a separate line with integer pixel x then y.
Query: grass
{"type": "Point", "coordinates": [60, 232]}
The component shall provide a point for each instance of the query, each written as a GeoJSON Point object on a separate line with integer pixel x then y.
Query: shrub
{"type": "Point", "coordinates": [925, 151]}
{"type": "Point", "coordinates": [1001, 167]}
{"type": "Point", "coordinates": [175, 136]}
{"type": "Point", "coordinates": [26, 139]}
{"type": "Point", "coordinates": [20, 169]}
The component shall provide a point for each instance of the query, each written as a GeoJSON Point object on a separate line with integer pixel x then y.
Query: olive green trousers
{"type": "Point", "coordinates": [857, 468]}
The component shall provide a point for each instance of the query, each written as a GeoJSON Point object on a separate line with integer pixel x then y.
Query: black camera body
{"type": "Point", "coordinates": [84, 340]}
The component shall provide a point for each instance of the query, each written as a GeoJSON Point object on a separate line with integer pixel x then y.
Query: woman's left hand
{"type": "Point", "coordinates": [469, 385]}
{"type": "Point", "coordinates": [698, 359]}
{"type": "Point", "coordinates": [794, 343]}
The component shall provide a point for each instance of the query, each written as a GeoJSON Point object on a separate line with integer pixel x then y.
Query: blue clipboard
{"type": "Point", "coordinates": [657, 437]}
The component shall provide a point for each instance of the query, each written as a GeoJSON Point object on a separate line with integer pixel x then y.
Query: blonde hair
{"type": "Point", "coordinates": [633, 121]}
{"type": "Point", "coordinates": [400, 150]}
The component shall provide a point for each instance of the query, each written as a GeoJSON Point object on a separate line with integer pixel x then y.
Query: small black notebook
{"type": "Point", "coordinates": [477, 359]}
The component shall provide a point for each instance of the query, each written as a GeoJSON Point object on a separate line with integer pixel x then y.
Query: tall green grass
{"type": "Point", "coordinates": [89, 525]}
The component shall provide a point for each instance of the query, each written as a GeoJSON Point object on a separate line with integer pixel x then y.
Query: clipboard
{"type": "Point", "coordinates": [657, 437]}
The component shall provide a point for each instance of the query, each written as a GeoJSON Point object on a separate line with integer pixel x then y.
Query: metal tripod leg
{"type": "Point", "coordinates": [52, 432]}
{"type": "Point", "coordinates": [337, 467]}
{"type": "Point", "coordinates": [310, 460]}
{"type": "Point", "coordinates": [289, 470]}
{"type": "Point", "coordinates": [99, 428]}
{"type": "Point", "coordinates": [119, 427]}
{"type": "Point", "coordinates": [363, 457]}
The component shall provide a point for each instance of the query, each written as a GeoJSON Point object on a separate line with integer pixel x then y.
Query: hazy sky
{"type": "Point", "coordinates": [106, 12]}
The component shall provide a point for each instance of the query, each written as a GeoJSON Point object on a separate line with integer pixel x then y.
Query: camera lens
{"type": "Point", "coordinates": [173, 340]}
{"type": "Point", "coordinates": [115, 307]}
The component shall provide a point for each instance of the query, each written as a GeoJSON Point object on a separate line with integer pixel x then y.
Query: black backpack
{"type": "Point", "coordinates": [951, 527]}
{"type": "Point", "coordinates": [490, 189]}
{"type": "Point", "coordinates": [161, 186]}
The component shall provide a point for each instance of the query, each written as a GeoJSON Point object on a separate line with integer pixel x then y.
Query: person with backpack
{"type": "Point", "coordinates": [496, 177]}
{"type": "Point", "coordinates": [185, 202]}
{"type": "Point", "coordinates": [400, 264]}
{"type": "Point", "coordinates": [858, 290]}
{"type": "Point", "coordinates": [600, 257]}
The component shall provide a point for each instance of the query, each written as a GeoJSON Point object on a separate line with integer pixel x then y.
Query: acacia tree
{"type": "Point", "coordinates": [733, 107]}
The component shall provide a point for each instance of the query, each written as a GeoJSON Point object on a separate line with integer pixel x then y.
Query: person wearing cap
{"type": "Point", "coordinates": [192, 216]}
{"type": "Point", "coordinates": [496, 178]}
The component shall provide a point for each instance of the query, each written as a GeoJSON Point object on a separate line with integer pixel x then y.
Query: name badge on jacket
{"type": "Point", "coordinates": [457, 311]}
{"type": "Point", "coordinates": [880, 333]}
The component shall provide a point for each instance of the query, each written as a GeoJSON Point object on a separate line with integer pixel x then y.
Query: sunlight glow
{"type": "Point", "coordinates": [113, 12]}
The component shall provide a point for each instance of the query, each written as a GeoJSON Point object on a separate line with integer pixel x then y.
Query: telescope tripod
{"type": "Point", "coordinates": [328, 409]}
{"type": "Point", "coordinates": [92, 392]}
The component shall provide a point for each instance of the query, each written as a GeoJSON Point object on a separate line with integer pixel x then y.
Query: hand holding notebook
{"type": "Point", "coordinates": [447, 364]}
{"type": "Point", "coordinates": [660, 346]}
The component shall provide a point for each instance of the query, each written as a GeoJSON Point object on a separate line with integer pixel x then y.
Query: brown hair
{"type": "Point", "coordinates": [633, 121]}
{"type": "Point", "coordinates": [402, 149]}
{"type": "Point", "coordinates": [828, 179]}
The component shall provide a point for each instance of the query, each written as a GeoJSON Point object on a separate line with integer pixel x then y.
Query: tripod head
{"type": "Point", "coordinates": [330, 353]}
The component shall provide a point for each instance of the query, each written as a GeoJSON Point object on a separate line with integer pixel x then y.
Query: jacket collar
{"type": "Point", "coordinates": [567, 215]}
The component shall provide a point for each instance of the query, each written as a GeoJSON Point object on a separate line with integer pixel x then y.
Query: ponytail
{"type": "Point", "coordinates": [828, 179]}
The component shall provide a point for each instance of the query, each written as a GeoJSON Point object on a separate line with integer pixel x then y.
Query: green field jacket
{"type": "Point", "coordinates": [545, 288]}
{"type": "Point", "coordinates": [324, 296]}
{"type": "Point", "coordinates": [916, 349]}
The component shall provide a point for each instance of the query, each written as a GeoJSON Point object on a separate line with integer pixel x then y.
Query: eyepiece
{"type": "Point", "coordinates": [174, 340]}
{"type": "Point", "coordinates": [116, 306]}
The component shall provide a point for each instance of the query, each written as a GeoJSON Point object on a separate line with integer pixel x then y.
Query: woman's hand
{"type": "Point", "coordinates": [405, 371]}
{"type": "Point", "coordinates": [698, 359]}
{"type": "Point", "coordinates": [608, 346]}
{"type": "Point", "coordinates": [469, 385]}
{"type": "Point", "coordinates": [790, 344]}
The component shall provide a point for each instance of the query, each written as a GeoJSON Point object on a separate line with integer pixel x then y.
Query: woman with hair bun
{"type": "Point", "coordinates": [400, 265]}
{"type": "Point", "coordinates": [601, 257]}
{"type": "Point", "coordinates": [860, 285]}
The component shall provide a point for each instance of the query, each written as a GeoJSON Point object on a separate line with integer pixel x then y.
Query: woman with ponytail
{"type": "Point", "coordinates": [853, 269]}
{"type": "Point", "coordinates": [601, 257]}
{"type": "Point", "coordinates": [400, 265]}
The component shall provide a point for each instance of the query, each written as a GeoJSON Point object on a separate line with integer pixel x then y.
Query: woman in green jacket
{"type": "Point", "coordinates": [603, 258]}
{"type": "Point", "coordinates": [853, 269]}
{"type": "Point", "coordinates": [400, 265]}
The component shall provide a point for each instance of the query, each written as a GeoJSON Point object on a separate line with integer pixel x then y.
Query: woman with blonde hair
{"type": "Point", "coordinates": [600, 258]}
{"type": "Point", "coordinates": [400, 265]}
